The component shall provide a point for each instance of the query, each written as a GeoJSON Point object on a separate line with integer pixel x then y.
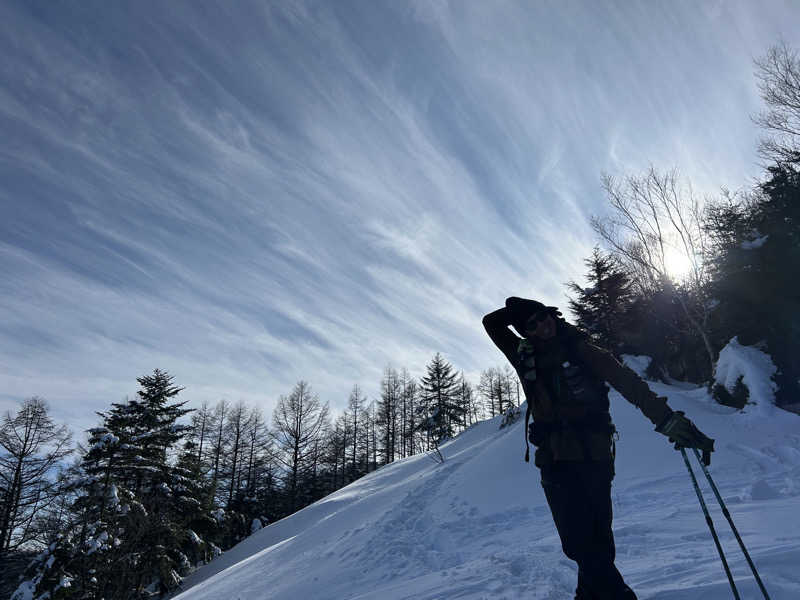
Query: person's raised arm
{"type": "Point", "coordinates": [516, 312]}
{"type": "Point", "coordinates": [496, 324]}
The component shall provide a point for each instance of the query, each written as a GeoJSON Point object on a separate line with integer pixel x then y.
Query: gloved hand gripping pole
{"type": "Point", "coordinates": [710, 523]}
{"type": "Point", "coordinates": [733, 527]}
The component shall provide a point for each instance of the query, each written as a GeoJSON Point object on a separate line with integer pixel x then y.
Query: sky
{"type": "Point", "coordinates": [246, 194]}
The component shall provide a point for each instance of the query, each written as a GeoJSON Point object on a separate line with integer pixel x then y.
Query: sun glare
{"type": "Point", "coordinates": [677, 264]}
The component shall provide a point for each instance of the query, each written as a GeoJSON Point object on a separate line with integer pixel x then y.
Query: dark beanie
{"type": "Point", "coordinates": [521, 310]}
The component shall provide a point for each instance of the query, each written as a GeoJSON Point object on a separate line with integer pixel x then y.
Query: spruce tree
{"type": "Point", "coordinates": [94, 556]}
{"type": "Point", "coordinates": [444, 414]}
{"type": "Point", "coordinates": [134, 507]}
{"type": "Point", "coordinates": [600, 308]}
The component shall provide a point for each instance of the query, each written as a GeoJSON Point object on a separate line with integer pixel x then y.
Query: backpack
{"type": "Point", "coordinates": [583, 427]}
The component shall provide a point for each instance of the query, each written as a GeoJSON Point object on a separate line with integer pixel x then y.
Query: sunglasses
{"type": "Point", "coordinates": [537, 318]}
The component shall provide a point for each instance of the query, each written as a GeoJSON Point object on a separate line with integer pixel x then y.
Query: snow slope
{"type": "Point", "coordinates": [477, 526]}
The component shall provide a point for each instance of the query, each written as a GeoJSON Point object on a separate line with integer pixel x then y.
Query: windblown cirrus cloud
{"type": "Point", "coordinates": [250, 193]}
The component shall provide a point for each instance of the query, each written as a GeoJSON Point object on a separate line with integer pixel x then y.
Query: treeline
{"type": "Point", "coordinates": [679, 278]}
{"type": "Point", "coordinates": [159, 488]}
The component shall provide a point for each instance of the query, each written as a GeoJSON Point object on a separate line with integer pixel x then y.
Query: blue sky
{"type": "Point", "coordinates": [250, 193]}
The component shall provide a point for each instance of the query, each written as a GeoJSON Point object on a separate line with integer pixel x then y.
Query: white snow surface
{"type": "Point", "coordinates": [255, 525]}
{"type": "Point", "coordinates": [756, 369]}
{"type": "Point", "coordinates": [637, 363]}
{"type": "Point", "coordinates": [478, 526]}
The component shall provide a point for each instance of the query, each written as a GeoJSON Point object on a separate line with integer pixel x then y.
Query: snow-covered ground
{"type": "Point", "coordinates": [477, 526]}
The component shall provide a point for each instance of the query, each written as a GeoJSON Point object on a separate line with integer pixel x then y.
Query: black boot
{"type": "Point", "coordinates": [582, 593]}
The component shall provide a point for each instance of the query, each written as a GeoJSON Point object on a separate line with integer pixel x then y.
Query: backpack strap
{"type": "Point", "coordinates": [524, 368]}
{"type": "Point", "coordinates": [527, 442]}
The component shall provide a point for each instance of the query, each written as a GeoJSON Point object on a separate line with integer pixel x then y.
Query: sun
{"type": "Point", "coordinates": [677, 264]}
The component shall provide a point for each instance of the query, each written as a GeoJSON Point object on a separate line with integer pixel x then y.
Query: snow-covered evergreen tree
{"type": "Point", "coordinates": [757, 256]}
{"type": "Point", "coordinates": [92, 556]}
{"type": "Point", "coordinates": [131, 521]}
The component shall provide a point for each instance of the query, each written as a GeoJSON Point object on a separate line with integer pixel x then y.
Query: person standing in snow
{"type": "Point", "coordinates": [563, 377]}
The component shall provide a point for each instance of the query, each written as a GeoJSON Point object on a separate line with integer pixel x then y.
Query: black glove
{"type": "Point", "coordinates": [685, 434]}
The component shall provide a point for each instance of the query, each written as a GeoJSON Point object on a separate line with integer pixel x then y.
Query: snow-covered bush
{"type": "Point", "coordinates": [511, 415]}
{"type": "Point", "coordinates": [743, 377]}
{"type": "Point", "coordinates": [255, 526]}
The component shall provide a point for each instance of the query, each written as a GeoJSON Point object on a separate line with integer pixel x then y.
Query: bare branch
{"type": "Point", "coordinates": [652, 216]}
{"type": "Point", "coordinates": [778, 75]}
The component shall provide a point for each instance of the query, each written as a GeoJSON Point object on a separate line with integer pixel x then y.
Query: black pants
{"type": "Point", "coordinates": [579, 495]}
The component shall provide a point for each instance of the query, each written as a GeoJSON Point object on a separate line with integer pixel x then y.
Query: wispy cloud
{"type": "Point", "coordinates": [249, 194]}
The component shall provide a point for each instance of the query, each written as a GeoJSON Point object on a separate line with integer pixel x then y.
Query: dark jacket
{"type": "Point", "coordinates": [549, 404]}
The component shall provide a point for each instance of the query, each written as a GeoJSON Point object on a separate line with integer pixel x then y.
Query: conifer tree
{"type": "Point", "coordinates": [80, 557]}
{"type": "Point", "coordinates": [443, 413]}
{"type": "Point", "coordinates": [133, 507]}
{"type": "Point", "coordinates": [754, 287]}
{"type": "Point", "coordinates": [94, 556]}
{"type": "Point", "coordinates": [152, 432]}
{"type": "Point", "coordinates": [600, 308]}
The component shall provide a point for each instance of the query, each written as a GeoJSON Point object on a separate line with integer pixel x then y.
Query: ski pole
{"type": "Point", "coordinates": [733, 527]}
{"type": "Point", "coordinates": [710, 524]}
